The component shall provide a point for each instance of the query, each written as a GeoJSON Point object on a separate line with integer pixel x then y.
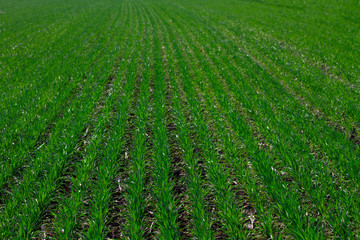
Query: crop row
{"type": "Point", "coordinates": [176, 120]}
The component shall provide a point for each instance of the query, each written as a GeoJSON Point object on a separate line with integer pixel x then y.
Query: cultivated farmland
{"type": "Point", "coordinates": [180, 119]}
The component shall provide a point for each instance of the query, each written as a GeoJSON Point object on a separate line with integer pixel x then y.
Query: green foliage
{"type": "Point", "coordinates": [179, 119]}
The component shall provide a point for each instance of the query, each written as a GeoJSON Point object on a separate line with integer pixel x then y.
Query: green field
{"type": "Point", "coordinates": [180, 119]}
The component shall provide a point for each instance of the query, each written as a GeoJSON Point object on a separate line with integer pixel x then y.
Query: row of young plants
{"type": "Point", "coordinates": [110, 161]}
{"type": "Point", "coordinates": [316, 37]}
{"type": "Point", "coordinates": [340, 195]}
{"type": "Point", "coordinates": [227, 210]}
{"type": "Point", "coordinates": [39, 182]}
{"type": "Point", "coordinates": [135, 192]}
{"type": "Point", "coordinates": [73, 211]}
{"type": "Point", "coordinates": [19, 145]}
{"type": "Point", "coordinates": [322, 23]}
{"type": "Point", "coordinates": [240, 168]}
{"type": "Point", "coordinates": [336, 96]}
{"type": "Point", "coordinates": [334, 143]}
{"type": "Point", "coordinates": [326, 179]}
{"type": "Point", "coordinates": [210, 70]}
{"type": "Point", "coordinates": [246, 138]}
{"type": "Point", "coordinates": [344, 202]}
{"type": "Point", "coordinates": [343, 108]}
{"type": "Point", "coordinates": [28, 34]}
{"type": "Point", "coordinates": [215, 117]}
{"type": "Point", "coordinates": [16, 150]}
{"type": "Point", "coordinates": [163, 167]}
{"type": "Point", "coordinates": [314, 86]}
{"type": "Point", "coordinates": [196, 190]}
{"type": "Point", "coordinates": [42, 78]}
